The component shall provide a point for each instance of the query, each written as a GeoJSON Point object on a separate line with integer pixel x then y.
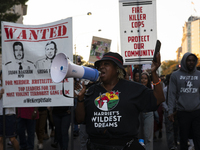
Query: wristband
{"type": "Point", "coordinates": [157, 82]}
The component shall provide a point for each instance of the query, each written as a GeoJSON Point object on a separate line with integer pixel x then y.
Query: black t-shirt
{"type": "Point", "coordinates": [115, 114]}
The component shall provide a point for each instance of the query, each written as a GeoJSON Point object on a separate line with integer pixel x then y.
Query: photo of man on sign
{"type": "Point", "coordinates": [43, 65]}
{"type": "Point", "coordinates": [19, 65]}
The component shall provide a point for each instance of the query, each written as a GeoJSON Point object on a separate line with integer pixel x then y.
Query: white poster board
{"type": "Point", "coordinates": [27, 53]}
{"type": "Point", "coordinates": [138, 30]}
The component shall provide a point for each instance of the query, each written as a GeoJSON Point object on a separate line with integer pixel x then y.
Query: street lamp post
{"type": "Point", "coordinates": [89, 13]}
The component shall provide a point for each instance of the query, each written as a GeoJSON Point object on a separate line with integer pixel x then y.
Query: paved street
{"type": "Point", "coordinates": [159, 144]}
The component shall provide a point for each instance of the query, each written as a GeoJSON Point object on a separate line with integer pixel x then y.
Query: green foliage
{"type": "Point", "coordinates": [7, 12]}
{"type": "Point", "coordinates": [168, 66]}
{"type": "Point", "coordinates": [6, 5]}
{"type": "Point", "coordinates": [10, 17]}
{"type": "Point", "coordinates": [198, 63]}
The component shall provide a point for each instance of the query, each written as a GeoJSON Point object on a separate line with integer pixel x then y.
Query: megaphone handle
{"type": "Point", "coordinates": [63, 91]}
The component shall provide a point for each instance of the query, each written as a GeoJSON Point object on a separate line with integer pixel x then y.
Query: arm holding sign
{"type": "Point", "coordinates": [158, 91]}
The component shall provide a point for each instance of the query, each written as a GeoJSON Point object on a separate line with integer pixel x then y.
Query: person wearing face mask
{"type": "Point", "coordinates": [10, 124]}
{"type": "Point", "coordinates": [111, 107]}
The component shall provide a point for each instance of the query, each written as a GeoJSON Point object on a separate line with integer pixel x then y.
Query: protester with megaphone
{"type": "Point", "coordinates": [62, 68]}
{"type": "Point", "coordinates": [110, 108]}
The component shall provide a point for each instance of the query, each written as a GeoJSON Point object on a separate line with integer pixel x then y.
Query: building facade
{"type": "Point", "coordinates": [195, 37]}
{"type": "Point", "coordinates": [179, 54]}
{"type": "Point", "coordinates": [191, 36]}
{"type": "Point", "coordinates": [21, 10]}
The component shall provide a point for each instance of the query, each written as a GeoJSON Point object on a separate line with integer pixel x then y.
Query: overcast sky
{"type": "Point", "coordinates": [171, 16]}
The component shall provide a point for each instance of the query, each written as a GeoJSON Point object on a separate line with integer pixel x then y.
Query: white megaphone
{"type": "Point", "coordinates": [62, 68]}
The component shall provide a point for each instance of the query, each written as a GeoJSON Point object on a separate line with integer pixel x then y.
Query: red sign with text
{"type": "Point", "coordinates": [138, 30]}
{"type": "Point", "coordinates": [27, 54]}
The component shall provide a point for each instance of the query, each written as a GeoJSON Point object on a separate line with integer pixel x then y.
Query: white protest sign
{"type": "Point", "coordinates": [138, 30]}
{"type": "Point", "coordinates": [27, 53]}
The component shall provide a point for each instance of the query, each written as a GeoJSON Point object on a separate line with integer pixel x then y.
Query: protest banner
{"type": "Point", "coordinates": [138, 31]}
{"type": "Point", "coordinates": [99, 47]}
{"type": "Point", "coordinates": [27, 54]}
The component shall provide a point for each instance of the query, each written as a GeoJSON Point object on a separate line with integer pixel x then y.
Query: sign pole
{"type": "Point", "coordinates": [4, 130]}
{"type": "Point", "coordinates": [72, 128]}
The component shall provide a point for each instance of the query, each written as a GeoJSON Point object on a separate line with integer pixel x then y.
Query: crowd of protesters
{"type": "Point", "coordinates": [181, 107]}
{"type": "Point", "coordinates": [180, 112]}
